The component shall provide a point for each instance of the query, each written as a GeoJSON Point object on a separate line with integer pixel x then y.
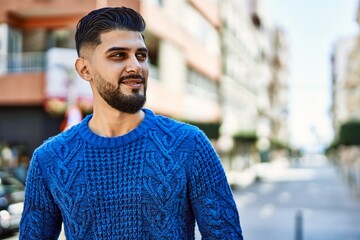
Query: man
{"type": "Point", "coordinates": [124, 172]}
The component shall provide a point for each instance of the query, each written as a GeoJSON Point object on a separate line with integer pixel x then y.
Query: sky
{"type": "Point", "coordinates": [312, 28]}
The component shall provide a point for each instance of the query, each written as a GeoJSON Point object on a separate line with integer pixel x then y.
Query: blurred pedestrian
{"type": "Point", "coordinates": [124, 172]}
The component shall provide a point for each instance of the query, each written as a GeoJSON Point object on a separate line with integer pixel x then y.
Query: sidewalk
{"type": "Point", "coordinates": [243, 179]}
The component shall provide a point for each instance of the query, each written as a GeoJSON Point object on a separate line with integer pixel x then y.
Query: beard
{"type": "Point", "coordinates": [112, 94]}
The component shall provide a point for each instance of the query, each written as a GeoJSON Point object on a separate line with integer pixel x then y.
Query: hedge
{"type": "Point", "coordinates": [349, 133]}
{"type": "Point", "coordinates": [210, 129]}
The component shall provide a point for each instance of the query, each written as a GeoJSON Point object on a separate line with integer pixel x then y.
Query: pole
{"type": "Point", "coordinates": [299, 225]}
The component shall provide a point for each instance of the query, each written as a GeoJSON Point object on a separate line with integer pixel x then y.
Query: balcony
{"type": "Point", "coordinates": [37, 62]}
{"type": "Point", "coordinates": [22, 62]}
{"type": "Point", "coordinates": [23, 78]}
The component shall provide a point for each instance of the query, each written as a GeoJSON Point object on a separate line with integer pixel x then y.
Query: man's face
{"type": "Point", "coordinates": [119, 70]}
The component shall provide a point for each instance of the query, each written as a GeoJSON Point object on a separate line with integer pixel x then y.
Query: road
{"type": "Point", "coordinates": [268, 209]}
{"type": "Point", "coordinates": [313, 191]}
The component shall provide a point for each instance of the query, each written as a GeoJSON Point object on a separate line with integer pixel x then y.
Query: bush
{"type": "Point", "coordinates": [249, 137]}
{"type": "Point", "coordinates": [349, 133]}
{"type": "Point", "coordinates": [211, 130]}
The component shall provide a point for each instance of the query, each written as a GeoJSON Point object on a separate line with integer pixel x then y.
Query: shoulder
{"type": "Point", "coordinates": [173, 126]}
{"type": "Point", "coordinates": [59, 144]}
{"type": "Point", "coordinates": [174, 132]}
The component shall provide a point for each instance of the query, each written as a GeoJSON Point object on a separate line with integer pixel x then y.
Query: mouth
{"type": "Point", "coordinates": [133, 83]}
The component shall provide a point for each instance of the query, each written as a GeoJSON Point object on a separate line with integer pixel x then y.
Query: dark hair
{"type": "Point", "coordinates": [101, 20]}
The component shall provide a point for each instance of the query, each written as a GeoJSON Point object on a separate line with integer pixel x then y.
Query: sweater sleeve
{"type": "Point", "coordinates": [41, 218]}
{"type": "Point", "coordinates": [211, 197]}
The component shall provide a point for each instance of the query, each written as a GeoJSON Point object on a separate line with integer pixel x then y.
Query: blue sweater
{"type": "Point", "coordinates": [152, 183]}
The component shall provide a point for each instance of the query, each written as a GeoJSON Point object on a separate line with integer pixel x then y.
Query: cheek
{"type": "Point", "coordinates": [145, 71]}
{"type": "Point", "coordinates": [108, 75]}
{"type": "Point", "coordinates": [108, 69]}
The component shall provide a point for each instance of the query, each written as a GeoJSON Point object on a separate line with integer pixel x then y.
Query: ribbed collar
{"type": "Point", "coordinates": [110, 142]}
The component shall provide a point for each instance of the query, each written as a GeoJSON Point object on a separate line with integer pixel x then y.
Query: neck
{"type": "Point", "coordinates": [114, 123]}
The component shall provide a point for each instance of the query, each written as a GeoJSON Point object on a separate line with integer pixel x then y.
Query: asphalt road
{"type": "Point", "coordinates": [306, 202]}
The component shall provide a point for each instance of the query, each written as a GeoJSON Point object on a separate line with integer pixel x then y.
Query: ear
{"type": "Point", "coordinates": [81, 66]}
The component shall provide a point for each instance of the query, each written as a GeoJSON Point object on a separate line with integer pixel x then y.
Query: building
{"type": "Point", "coordinates": [345, 80]}
{"type": "Point", "coordinates": [341, 83]}
{"type": "Point", "coordinates": [37, 50]}
{"type": "Point", "coordinates": [345, 108]}
{"type": "Point", "coordinates": [216, 64]}
{"type": "Point", "coordinates": [253, 88]}
{"type": "Point", "coordinates": [278, 88]}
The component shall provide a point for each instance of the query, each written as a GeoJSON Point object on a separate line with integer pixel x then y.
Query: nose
{"type": "Point", "coordinates": [133, 65]}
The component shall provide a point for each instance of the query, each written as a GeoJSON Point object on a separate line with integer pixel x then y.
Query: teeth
{"type": "Point", "coordinates": [132, 82]}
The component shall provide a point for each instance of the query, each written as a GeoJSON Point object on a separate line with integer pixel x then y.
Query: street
{"type": "Point", "coordinates": [311, 192]}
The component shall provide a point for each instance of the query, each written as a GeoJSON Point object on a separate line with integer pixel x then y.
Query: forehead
{"type": "Point", "coordinates": [122, 39]}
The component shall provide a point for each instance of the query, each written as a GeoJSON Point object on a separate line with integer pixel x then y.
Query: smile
{"type": "Point", "coordinates": [133, 83]}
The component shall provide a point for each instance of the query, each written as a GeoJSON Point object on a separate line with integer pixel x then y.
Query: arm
{"type": "Point", "coordinates": [211, 197]}
{"type": "Point", "coordinates": [41, 218]}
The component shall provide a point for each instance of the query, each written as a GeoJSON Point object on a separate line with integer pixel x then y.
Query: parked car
{"type": "Point", "coordinates": [11, 203]}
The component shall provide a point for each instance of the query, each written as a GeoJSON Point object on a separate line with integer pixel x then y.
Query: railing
{"type": "Point", "coordinates": [37, 61]}
{"type": "Point", "coordinates": [22, 62]}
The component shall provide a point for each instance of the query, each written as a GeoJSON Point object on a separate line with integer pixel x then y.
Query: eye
{"type": "Point", "coordinates": [141, 56]}
{"type": "Point", "coordinates": [118, 55]}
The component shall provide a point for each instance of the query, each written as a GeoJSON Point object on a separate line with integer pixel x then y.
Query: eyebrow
{"type": "Point", "coordinates": [112, 49]}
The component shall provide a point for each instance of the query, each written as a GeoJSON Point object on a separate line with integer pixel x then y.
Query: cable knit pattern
{"type": "Point", "coordinates": [152, 183]}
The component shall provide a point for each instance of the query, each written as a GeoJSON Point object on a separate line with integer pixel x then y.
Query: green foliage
{"type": "Point", "coordinates": [211, 130]}
{"type": "Point", "coordinates": [333, 146]}
{"type": "Point", "coordinates": [249, 137]}
{"type": "Point", "coordinates": [349, 134]}
{"type": "Point", "coordinates": [278, 144]}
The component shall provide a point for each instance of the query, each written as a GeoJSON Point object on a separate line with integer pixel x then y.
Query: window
{"type": "Point", "coordinates": [152, 43]}
{"type": "Point", "coordinates": [200, 85]}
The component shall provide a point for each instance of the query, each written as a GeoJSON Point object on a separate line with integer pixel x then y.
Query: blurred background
{"type": "Point", "coordinates": [274, 84]}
